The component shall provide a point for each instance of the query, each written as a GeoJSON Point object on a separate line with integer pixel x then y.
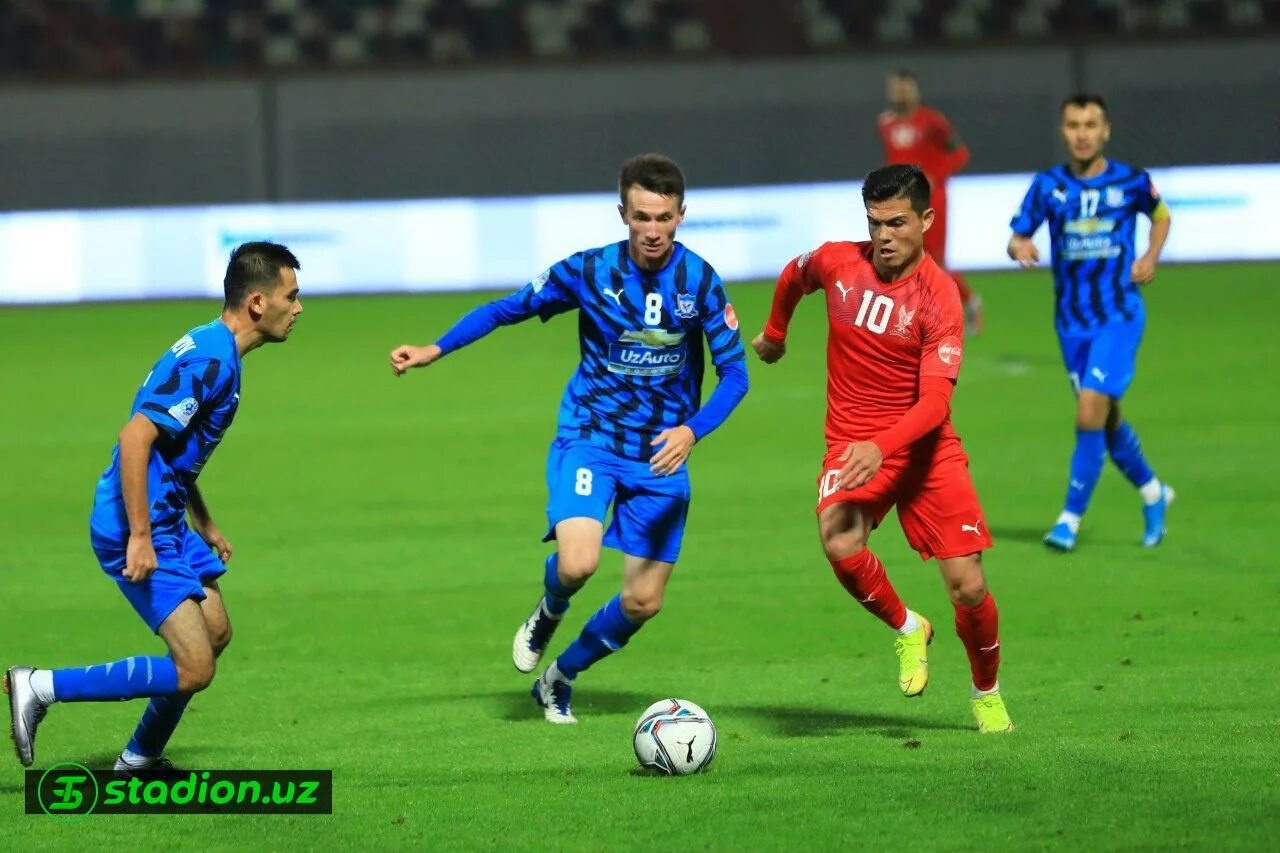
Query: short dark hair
{"type": "Point", "coordinates": [656, 173]}
{"type": "Point", "coordinates": [901, 180]}
{"type": "Point", "coordinates": [254, 266]}
{"type": "Point", "coordinates": [905, 74]}
{"type": "Point", "coordinates": [1084, 99]}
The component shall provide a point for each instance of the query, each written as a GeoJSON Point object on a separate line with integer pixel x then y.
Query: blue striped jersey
{"type": "Point", "coordinates": [191, 395]}
{"type": "Point", "coordinates": [641, 342]}
{"type": "Point", "coordinates": [1091, 229]}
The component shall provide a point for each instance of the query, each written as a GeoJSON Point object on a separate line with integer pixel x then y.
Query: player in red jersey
{"type": "Point", "coordinates": [893, 355]}
{"type": "Point", "coordinates": [912, 133]}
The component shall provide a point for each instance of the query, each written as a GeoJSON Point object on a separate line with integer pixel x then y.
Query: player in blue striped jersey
{"type": "Point", "coordinates": [628, 418]}
{"type": "Point", "coordinates": [167, 568]}
{"type": "Point", "coordinates": [1092, 204]}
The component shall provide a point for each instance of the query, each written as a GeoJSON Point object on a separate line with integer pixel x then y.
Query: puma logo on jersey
{"type": "Point", "coordinates": [1060, 196]}
{"type": "Point", "coordinates": [974, 528]}
{"type": "Point", "coordinates": [617, 295]}
{"type": "Point", "coordinates": [844, 291]}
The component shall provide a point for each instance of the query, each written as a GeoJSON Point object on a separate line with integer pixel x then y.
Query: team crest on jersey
{"type": "Point", "coordinates": [949, 351]}
{"type": "Point", "coordinates": [1114, 197]}
{"type": "Point", "coordinates": [904, 135]}
{"type": "Point", "coordinates": [903, 329]}
{"type": "Point", "coordinates": [686, 307]}
{"type": "Point", "coordinates": [183, 412]}
{"type": "Point", "coordinates": [541, 281]}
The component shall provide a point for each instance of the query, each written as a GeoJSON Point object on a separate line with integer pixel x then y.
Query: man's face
{"type": "Point", "coordinates": [652, 221]}
{"type": "Point", "coordinates": [277, 309]}
{"type": "Point", "coordinates": [903, 93]}
{"type": "Point", "coordinates": [897, 232]}
{"type": "Point", "coordinates": [1085, 130]}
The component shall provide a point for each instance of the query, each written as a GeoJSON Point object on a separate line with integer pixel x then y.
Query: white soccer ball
{"type": "Point", "coordinates": [675, 737]}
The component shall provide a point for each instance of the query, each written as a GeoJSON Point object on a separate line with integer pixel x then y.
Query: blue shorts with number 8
{"type": "Point", "coordinates": [649, 510]}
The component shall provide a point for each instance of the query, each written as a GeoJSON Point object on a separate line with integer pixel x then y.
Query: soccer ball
{"type": "Point", "coordinates": [675, 737]}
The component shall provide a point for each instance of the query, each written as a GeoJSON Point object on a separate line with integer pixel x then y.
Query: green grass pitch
{"type": "Point", "coordinates": [386, 537]}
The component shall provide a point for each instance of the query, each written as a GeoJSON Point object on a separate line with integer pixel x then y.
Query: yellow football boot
{"type": "Point", "coordinates": [913, 658]}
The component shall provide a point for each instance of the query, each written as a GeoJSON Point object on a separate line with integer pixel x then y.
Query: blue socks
{"type": "Point", "coordinates": [130, 678]}
{"type": "Point", "coordinates": [157, 724]}
{"type": "Point", "coordinates": [605, 632]}
{"type": "Point", "coordinates": [557, 594]}
{"type": "Point", "coordinates": [1126, 452]}
{"type": "Point", "coordinates": [1086, 468]}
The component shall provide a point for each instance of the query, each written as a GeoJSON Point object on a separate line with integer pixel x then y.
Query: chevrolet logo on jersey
{"type": "Point", "coordinates": [1089, 226]}
{"type": "Point", "coordinates": [652, 352]}
{"type": "Point", "coordinates": [653, 338]}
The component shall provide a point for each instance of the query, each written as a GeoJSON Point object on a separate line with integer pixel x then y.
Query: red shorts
{"type": "Point", "coordinates": [938, 506]}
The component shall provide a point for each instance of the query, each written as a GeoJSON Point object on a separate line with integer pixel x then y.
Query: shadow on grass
{"type": "Point", "coordinates": [817, 722]}
{"type": "Point", "coordinates": [1033, 535]}
{"type": "Point", "coordinates": [518, 707]}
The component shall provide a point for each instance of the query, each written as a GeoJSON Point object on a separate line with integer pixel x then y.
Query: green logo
{"type": "Point", "coordinates": [68, 790]}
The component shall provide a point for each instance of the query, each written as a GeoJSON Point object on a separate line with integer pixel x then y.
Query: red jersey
{"type": "Point", "coordinates": [924, 138]}
{"type": "Point", "coordinates": [883, 338]}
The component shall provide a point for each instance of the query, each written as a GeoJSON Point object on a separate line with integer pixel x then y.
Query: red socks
{"type": "Point", "coordinates": [979, 630]}
{"type": "Point", "coordinates": [978, 626]}
{"type": "Point", "coordinates": [863, 576]}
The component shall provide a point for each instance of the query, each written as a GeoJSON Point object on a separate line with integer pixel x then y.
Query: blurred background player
{"type": "Point", "coordinates": [894, 349]}
{"type": "Point", "coordinates": [167, 569]}
{"type": "Point", "coordinates": [628, 418]}
{"type": "Point", "coordinates": [1092, 205]}
{"type": "Point", "coordinates": [913, 133]}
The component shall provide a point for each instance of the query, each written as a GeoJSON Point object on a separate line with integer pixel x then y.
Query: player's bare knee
{"type": "Point", "coordinates": [1093, 410]}
{"type": "Point", "coordinates": [842, 534]}
{"type": "Point", "coordinates": [969, 590]}
{"type": "Point", "coordinates": [195, 674]}
{"type": "Point", "coordinates": [969, 593]}
{"type": "Point", "coordinates": [840, 545]}
{"type": "Point", "coordinates": [1090, 421]}
{"type": "Point", "coordinates": [575, 565]}
{"type": "Point", "coordinates": [220, 638]}
{"type": "Point", "coordinates": [641, 605]}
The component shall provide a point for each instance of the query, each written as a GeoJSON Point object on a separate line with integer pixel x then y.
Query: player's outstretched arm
{"type": "Point", "coordinates": [136, 439]}
{"type": "Point", "coordinates": [794, 284]}
{"type": "Point", "coordinates": [202, 524]}
{"type": "Point", "coordinates": [549, 294]}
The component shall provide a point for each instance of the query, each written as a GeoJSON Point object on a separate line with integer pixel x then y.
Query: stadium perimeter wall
{"type": "Point", "coordinates": [524, 130]}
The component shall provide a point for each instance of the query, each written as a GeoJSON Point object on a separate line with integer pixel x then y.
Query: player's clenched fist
{"type": "Point", "coordinates": [406, 356]}
{"type": "Point", "coordinates": [861, 462]}
{"type": "Point", "coordinates": [769, 351]}
{"type": "Point", "coordinates": [1143, 270]}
